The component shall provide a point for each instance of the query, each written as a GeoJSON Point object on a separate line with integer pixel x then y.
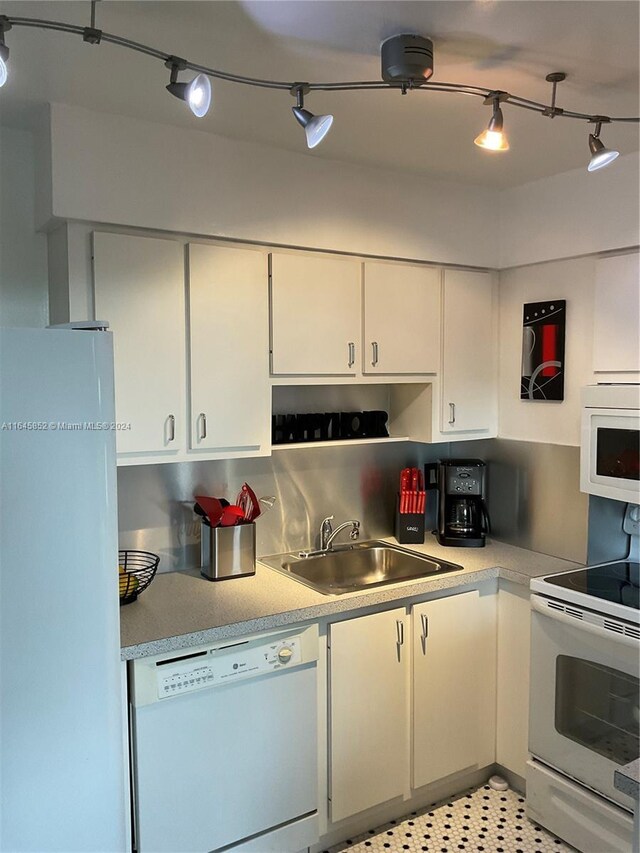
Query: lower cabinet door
{"type": "Point", "coordinates": [454, 686]}
{"type": "Point", "coordinates": [369, 691]}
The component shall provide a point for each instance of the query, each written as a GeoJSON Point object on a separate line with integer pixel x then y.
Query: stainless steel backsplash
{"type": "Point", "coordinates": [533, 495]}
{"type": "Point", "coordinates": [155, 502]}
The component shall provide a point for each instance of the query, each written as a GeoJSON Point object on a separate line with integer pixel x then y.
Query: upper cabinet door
{"type": "Point", "coordinates": [229, 341]}
{"type": "Point", "coordinates": [616, 345]}
{"type": "Point", "coordinates": [469, 373]}
{"type": "Point", "coordinates": [401, 319]}
{"type": "Point", "coordinates": [315, 315]}
{"type": "Point", "coordinates": [139, 289]}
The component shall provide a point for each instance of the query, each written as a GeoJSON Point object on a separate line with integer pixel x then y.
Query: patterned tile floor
{"type": "Point", "coordinates": [479, 820]}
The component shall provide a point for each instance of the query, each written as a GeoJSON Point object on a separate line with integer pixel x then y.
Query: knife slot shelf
{"type": "Point", "coordinates": [408, 407]}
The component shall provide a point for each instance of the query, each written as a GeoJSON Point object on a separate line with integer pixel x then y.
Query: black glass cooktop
{"type": "Point", "coordinates": [614, 582]}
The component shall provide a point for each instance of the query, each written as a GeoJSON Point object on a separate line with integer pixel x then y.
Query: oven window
{"type": "Point", "coordinates": [597, 707]}
{"type": "Point", "coordinates": [618, 453]}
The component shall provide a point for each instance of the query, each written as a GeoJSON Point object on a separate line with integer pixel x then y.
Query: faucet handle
{"type": "Point", "coordinates": [325, 532]}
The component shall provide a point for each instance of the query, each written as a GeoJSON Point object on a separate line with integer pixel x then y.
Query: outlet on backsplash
{"type": "Point", "coordinates": [187, 534]}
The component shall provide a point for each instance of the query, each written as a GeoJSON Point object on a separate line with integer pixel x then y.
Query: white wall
{"type": "Point", "coordinates": [575, 213]}
{"type": "Point", "coordinates": [117, 170]}
{"type": "Point", "coordinates": [23, 252]}
{"type": "Point", "coordinates": [529, 420]}
{"type": "Point", "coordinates": [565, 216]}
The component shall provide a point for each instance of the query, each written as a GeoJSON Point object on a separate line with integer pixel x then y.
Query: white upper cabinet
{"type": "Point", "coordinates": [139, 289]}
{"type": "Point", "coordinates": [315, 315]}
{"type": "Point", "coordinates": [616, 338]}
{"type": "Point", "coordinates": [229, 349]}
{"type": "Point", "coordinates": [401, 319]}
{"type": "Point", "coordinates": [469, 371]}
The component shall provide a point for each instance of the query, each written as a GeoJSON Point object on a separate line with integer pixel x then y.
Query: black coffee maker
{"type": "Point", "coordinates": [462, 515]}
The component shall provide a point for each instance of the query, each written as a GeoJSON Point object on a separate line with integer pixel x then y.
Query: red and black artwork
{"type": "Point", "coordinates": [543, 326]}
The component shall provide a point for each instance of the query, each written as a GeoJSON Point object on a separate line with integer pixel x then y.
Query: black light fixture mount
{"type": "Point", "coordinates": [554, 78]}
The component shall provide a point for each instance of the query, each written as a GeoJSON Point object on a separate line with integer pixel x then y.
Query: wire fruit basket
{"type": "Point", "coordinates": [136, 570]}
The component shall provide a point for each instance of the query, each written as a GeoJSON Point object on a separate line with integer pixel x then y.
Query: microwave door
{"type": "Point", "coordinates": [610, 454]}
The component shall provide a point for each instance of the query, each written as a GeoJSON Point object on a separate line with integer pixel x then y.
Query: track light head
{"type": "Point", "coordinates": [196, 93]}
{"type": "Point", "coordinates": [494, 138]}
{"type": "Point", "coordinates": [5, 25]}
{"type": "Point", "coordinates": [315, 127]}
{"type": "Point", "coordinates": [600, 156]}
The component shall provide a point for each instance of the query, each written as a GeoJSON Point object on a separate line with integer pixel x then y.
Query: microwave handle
{"type": "Point", "coordinates": [541, 606]}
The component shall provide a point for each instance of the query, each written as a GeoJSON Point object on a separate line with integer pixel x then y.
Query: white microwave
{"type": "Point", "coordinates": [610, 442]}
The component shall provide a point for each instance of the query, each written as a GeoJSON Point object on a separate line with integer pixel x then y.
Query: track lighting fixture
{"type": "Point", "coordinates": [407, 66]}
{"type": "Point", "coordinates": [600, 156]}
{"type": "Point", "coordinates": [196, 93]}
{"type": "Point", "coordinates": [315, 127]}
{"type": "Point", "coordinates": [4, 50]}
{"type": "Point", "coordinates": [494, 138]}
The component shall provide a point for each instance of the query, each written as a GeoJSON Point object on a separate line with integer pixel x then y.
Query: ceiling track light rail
{"type": "Point", "coordinates": [407, 66]}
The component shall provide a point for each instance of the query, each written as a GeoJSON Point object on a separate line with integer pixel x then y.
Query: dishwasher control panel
{"type": "Point", "coordinates": [224, 665]}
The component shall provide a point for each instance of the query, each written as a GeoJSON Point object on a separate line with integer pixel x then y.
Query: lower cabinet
{"type": "Point", "coordinates": [412, 699]}
{"type": "Point", "coordinates": [514, 649]}
{"type": "Point", "coordinates": [369, 695]}
{"type": "Point", "coordinates": [453, 686]}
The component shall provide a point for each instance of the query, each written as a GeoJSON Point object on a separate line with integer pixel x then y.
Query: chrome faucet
{"type": "Point", "coordinates": [328, 534]}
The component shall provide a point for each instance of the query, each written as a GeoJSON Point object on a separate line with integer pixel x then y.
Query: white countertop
{"type": "Point", "coordinates": [627, 779]}
{"type": "Point", "coordinates": [182, 609]}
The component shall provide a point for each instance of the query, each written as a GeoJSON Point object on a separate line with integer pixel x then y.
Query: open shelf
{"type": "Point", "coordinates": [408, 405]}
{"type": "Point", "coordinates": [339, 443]}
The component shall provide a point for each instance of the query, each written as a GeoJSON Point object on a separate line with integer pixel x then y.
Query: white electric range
{"type": "Point", "coordinates": [585, 704]}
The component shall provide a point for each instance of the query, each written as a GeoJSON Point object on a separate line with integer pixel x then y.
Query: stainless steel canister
{"type": "Point", "coordinates": [228, 552]}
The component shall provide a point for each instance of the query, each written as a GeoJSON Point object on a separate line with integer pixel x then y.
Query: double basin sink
{"type": "Point", "coordinates": [348, 568]}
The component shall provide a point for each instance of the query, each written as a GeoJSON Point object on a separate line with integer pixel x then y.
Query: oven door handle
{"type": "Point", "coordinates": [541, 605]}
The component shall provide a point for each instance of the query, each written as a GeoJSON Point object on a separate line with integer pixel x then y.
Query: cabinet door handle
{"type": "Point", "coordinates": [352, 353]}
{"type": "Point", "coordinates": [425, 632]}
{"type": "Point", "coordinates": [172, 427]}
{"type": "Point", "coordinates": [400, 631]}
{"type": "Point", "coordinates": [203, 422]}
{"type": "Point", "coordinates": [452, 413]}
{"type": "Point", "coordinates": [375, 353]}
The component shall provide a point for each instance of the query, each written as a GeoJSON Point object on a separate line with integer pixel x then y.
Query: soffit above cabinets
{"type": "Point", "coordinates": [490, 43]}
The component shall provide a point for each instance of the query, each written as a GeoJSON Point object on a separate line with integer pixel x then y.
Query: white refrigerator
{"type": "Point", "coordinates": [62, 764]}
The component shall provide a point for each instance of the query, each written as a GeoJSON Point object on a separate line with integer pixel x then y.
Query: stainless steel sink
{"type": "Point", "coordinates": [348, 568]}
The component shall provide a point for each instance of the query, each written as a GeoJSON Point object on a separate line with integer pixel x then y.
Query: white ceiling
{"type": "Point", "coordinates": [503, 44]}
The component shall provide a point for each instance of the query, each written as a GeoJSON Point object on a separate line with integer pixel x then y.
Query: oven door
{"type": "Point", "coordinates": [584, 694]}
{"type": "Point", "coordinates": [610, 454]}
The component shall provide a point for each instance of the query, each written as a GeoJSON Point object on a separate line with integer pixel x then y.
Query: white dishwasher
{"type": "Point", "coordinates": [224, 741]}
